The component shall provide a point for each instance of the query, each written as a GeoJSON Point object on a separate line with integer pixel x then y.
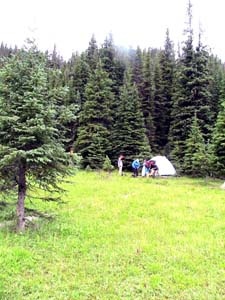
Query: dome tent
{"type": "Point", "coordinates": [165, 166]}
{"type": "Point", "coordinates": [223, 186]}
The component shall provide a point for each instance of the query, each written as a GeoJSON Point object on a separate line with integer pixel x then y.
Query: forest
{"type": "Point", "coordinates": [106, 101]}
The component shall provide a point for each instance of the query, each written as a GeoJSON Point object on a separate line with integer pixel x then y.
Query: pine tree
{"type": "Point", "coordinates": [95, 120]}
{"type": "Point", "coordinates": [31, 150]}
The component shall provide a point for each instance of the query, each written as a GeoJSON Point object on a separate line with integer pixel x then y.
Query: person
{"type": "Point", "coordinates": [153, 168]}
{"type": "Point", "coordinates": [120, 164]}
{"type": "Point", "coordinates": [147, 167]}
{"type": "Point", "coordinates": [135, 167]}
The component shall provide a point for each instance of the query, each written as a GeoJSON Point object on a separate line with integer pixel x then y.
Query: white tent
{"type": "Point", "coordinates": [223, 186]}
{"type": "Point", "coordinates": [165, 166]}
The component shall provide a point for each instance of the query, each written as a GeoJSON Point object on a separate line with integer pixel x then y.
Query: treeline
{"type": "Point", "coordinates": [138, 102]}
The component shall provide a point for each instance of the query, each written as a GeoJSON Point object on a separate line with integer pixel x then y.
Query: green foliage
{"type": "Point", "coordinates": [75, 160]}
{"type": "Point", "coordinates": [219, 142]}
{"type": "Point", "coordinates": [160, 110]}
{"type": "Point", "coordinates": [191, 93]}
{"type": "Point", "coordinates": [95, 120]}
{"type": "Point", "coordinates": [167, 94]}
{"type": "Point", "coordinates": [31, 144]}
{"type": "Point", "coordinates": [107, 165]}
{"type": "Point", "coordinates": [164, 83]}
{"type": "Point", "coordinates": [195, 159]}
{"type": "Point", "coordinates": [92, 54]}
{"type": "Point", "coordinates": [129, 134]}
{"type": "Point", "coordinates": [148, 93]}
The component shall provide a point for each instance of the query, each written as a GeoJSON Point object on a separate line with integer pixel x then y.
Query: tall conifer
{"type": "Point", "coordinates": [31, 149]}
{"type": "Point", "coordinates": [95, 120]}
{"type": "Point", "coordinates": [218, 142]}
{"type": "Point", "coordinates": [129, 134]}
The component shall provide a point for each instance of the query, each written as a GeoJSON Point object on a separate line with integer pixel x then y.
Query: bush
{"type": "Point", "coordinates": [107, 165]}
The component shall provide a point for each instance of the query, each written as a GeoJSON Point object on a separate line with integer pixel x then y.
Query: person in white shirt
{"type": "Point", "coordinates": [120, 164]}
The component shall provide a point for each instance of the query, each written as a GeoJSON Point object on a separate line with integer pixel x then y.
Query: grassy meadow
{"type": "Point", "coordinates": [120, 238]}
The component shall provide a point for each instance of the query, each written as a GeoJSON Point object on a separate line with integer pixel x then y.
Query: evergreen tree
{"type": "Point", "coordinates": [95, 120]}
{"type": "Point", "coordinates": [67, 103]}
{"type": "Point", "coordinates": [55, 60]}
{"type": "Point", "coordinates": [92, 54]}
{"type": "Point", "coordinates": [183, 106]}
{"type": "Point", "coordinates": [147, 104]}
{"type": "Point", "coordinates": [79, 73]}
{"type": "Point", "coordinates": [195, 158]}
{"type": "Point", "coordinates": [31, 150]}
{"type": "Point", "coordinates": [112, 64]}
{"type": "Point", "coordinates": [201, 95]}
{"type": "Point", "coordinates": [192, 93]}
{"type": "Point", "coordinates": [216, 85]}
{"type": "Point", "coordinates": [129, 134]}
{"type": "Point", "coordinates": [160, 111]}
{"type": "Point", "coordinates": [107, 56]}
{"type": "Point", "coordinates": [167, 68]}
{"type": "Point", "coordinates": [219, 142]}
{"type": "Point", "coordinates": [115, 70]}
{"type": "Point", "coordinates": [137, 71]}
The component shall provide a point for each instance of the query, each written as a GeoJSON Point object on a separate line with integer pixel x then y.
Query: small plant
{"type": "Point", "coordinates": [107, 165]}
{"type": "Point", "coordinates": [88, 168]}
{"type": "Point", "coordinates": [75, 160]}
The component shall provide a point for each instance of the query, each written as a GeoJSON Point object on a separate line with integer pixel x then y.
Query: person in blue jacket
{"type": "Point", "coordinates": [135, 166]}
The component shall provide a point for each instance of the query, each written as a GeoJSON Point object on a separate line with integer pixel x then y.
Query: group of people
{"type": "Point", "coordinates": [149, 167]}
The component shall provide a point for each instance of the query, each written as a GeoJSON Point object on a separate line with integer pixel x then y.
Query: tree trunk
{"type": "Point", "coordinates": [21, 197]}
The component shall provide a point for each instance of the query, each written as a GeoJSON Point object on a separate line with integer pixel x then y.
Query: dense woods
{"type": "Point", "coordinates": [108, 101]}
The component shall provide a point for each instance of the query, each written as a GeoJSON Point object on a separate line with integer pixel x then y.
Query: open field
{"type": "Point", "coordinates": [121, 238]}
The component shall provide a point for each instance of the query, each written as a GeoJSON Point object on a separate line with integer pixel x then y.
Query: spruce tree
{"type": "Point", "coordinates": [216, 85]}
{"type": "Point", "coordinates": [79, 73]}
{"type": "Point", "coordinates": [115, 70]}
{"type": "Point", "coordinates": [201, 95]}
{"type": "Point", "coordinates": [183, 107]}
{"type": "Point", "coordinates": [92, 54]}
{"type": "Point", "coordinates": [192, 93]}
{"type": "Point", "coordinates": [95, 120]}
{"type": "Point", "coordinates": [137, 71]}
{"type": "Point", "coordinates": [218, 142]}
{"type": "Point", "coordinates": [129, 134]}
{"type": "Point", "coordinates": [195, 158]}
{"type": "Point", "coordinates": [31, 150]}
{"type": "Point", "coordinates": [160, 111]}
{"type": "Point", "coordinates": [167, 68]}
{"type": "Point", "coordinates": [147, 104]}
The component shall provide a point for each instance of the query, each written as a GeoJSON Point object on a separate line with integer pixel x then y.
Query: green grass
{"type": "Point", "coordinates": [121, 238]}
